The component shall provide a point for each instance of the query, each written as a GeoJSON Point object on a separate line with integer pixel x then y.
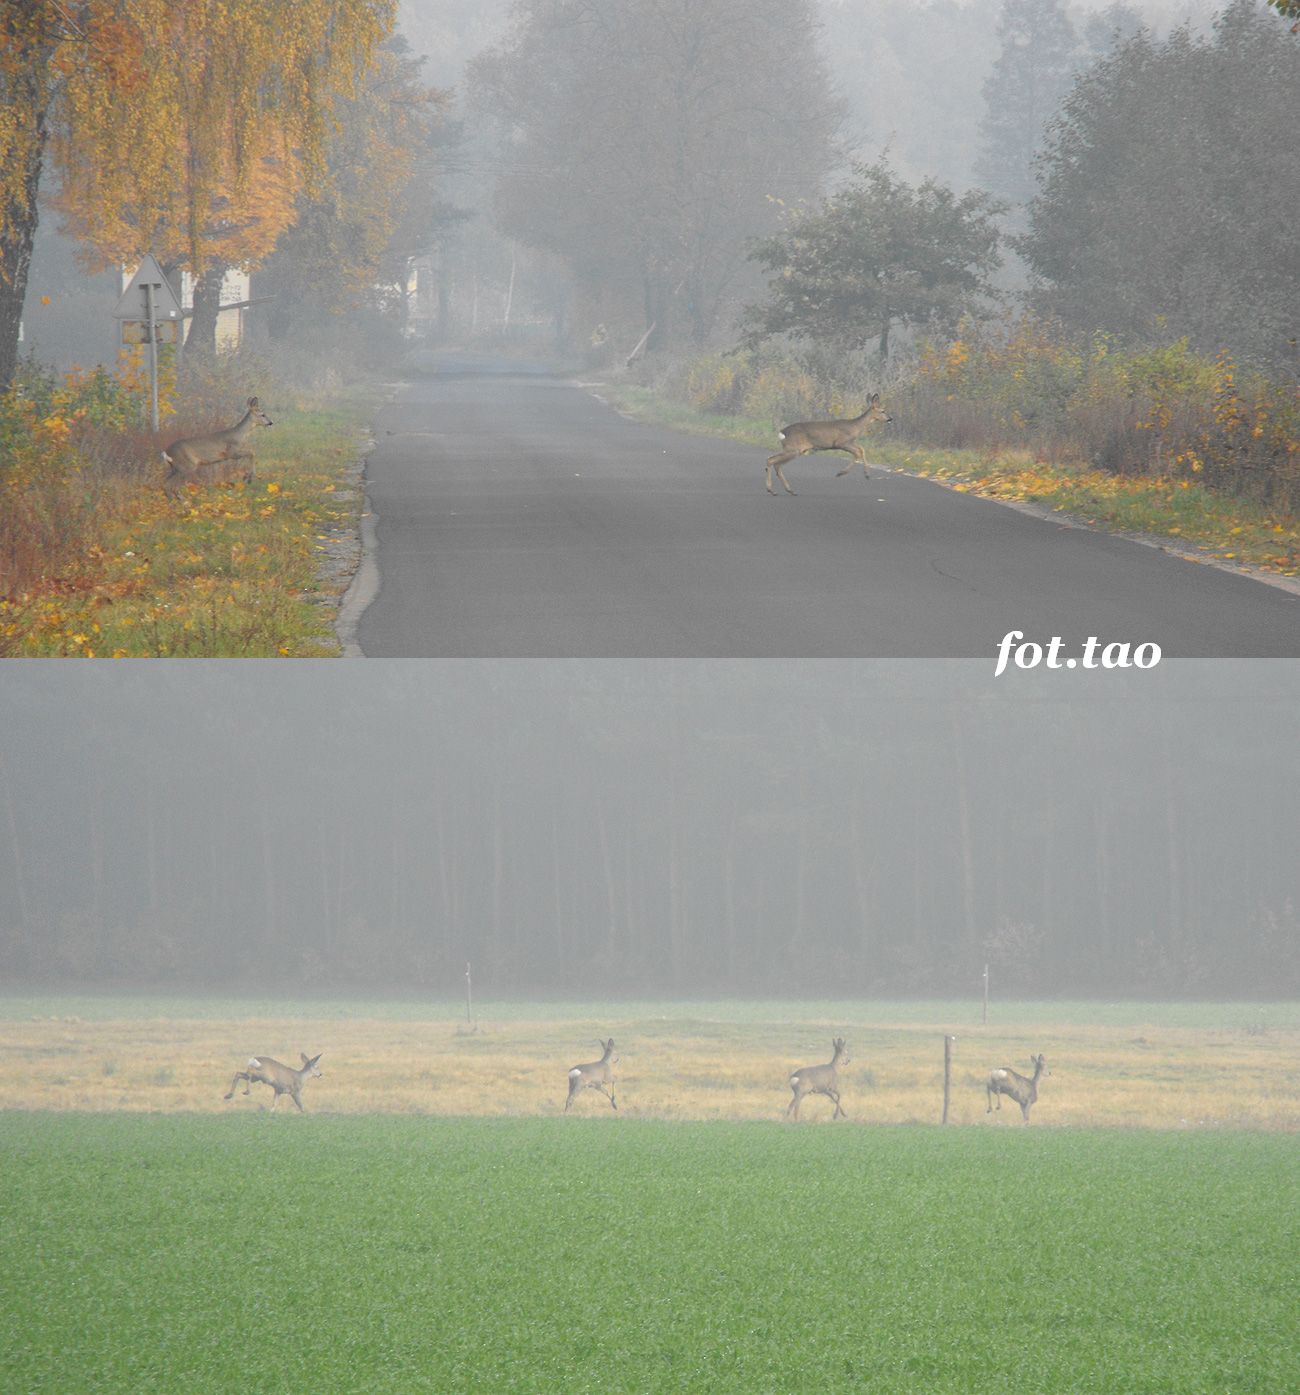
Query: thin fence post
{"type": "Point", "coordinates": [947, 1074]}
{"type": "Point", "coordinates": [469, 998]}
{"type": "Point", "coordinates": [985, 1018]}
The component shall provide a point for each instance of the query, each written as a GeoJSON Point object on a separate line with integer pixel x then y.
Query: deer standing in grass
{"type": "Point", "coordinates": [1022, 1089]}
{"type": "Point", "coordinates": [819, 1080]}
{"type": "Point", "coordinates": [217, 458]}
{"type": "Point", "coordinates": [806, 436]}
{"type": "Point", "coordinates": [284, 1080]}
{"type": "Point", "coordinates": [594, 1075]}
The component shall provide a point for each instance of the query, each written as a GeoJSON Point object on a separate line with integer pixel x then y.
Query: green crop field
{"type": "Point", "coordinates": [339, 1253]}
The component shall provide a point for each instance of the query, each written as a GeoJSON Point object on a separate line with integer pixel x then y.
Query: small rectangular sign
{"type": "Point", "coordinates": [135, 331]}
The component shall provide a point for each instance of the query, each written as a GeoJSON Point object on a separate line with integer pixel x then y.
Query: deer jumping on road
{"type": "Point", "coordinates": [1022, 1089]}
{"type": "Point", "coordinates": [220, 457]}
{"type": "Point", "coordinates": [594, 1075]}
{"type": "Point", "coordinates": [284, 1080]}
{"type": "Point", "coordinates": [806, 436]}
{"type": "Point", "coordinates": [819, 1080]}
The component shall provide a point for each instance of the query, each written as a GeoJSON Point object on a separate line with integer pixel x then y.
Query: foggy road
{"type": "Point", "coordinates": [518, 515]}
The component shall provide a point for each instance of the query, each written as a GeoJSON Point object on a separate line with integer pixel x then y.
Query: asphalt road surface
{"type": "Point", "coordinates": [518, 515]}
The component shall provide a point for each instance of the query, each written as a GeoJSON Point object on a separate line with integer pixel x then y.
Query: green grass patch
{"type": "Point", "coordinates": [1228, 529]}
{"type": "Point", "coordinates": [225, 571]}
{"type": "Point", "coordinates": [393, 1254]}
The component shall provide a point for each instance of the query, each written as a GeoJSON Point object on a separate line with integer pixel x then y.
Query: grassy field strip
{"type": "Point", "coordinates": [684, 1066]}
{"type": "Point", "coordinates": [200, 1254]}
{"type": "Point", "coordinates": [955, 1013]}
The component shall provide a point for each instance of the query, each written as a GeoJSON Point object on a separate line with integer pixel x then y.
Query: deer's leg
{"type": "Point", "coordinates": [606, 1093]}
{"type": "Point", "coordinates": [575, 1084]}
{"type": "Point", "coordinates": [774, 462]}
{"type": "Point", "coordinates": [859, 458]}
{"type": "Point", "coordinates": [835, 1095]}
{"type": "Point", "coordinates": [239, 465]}
{"type": "Point", "coordinates": [239, 1075]}
{"type": "Point", "coordinates": [988, 1094]}
{"type": "Point", "coordinates": [792, 1109]}
{"type": "Point", "coordinates": [293, 1095]}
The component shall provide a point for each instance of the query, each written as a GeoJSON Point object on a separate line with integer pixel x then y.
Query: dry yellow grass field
{"type": "Point", "coordinates": [673, 1064]}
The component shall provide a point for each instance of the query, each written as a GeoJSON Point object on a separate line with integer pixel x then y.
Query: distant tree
{"type": "Point", "coordinates": [876, 254]}
{"type": "Point", "coordinates": [911, 74]}
{"type": "Point", "coordinates": [1109, 28]}
{"type": "Point", "coordinates": [351, 241]}
{"type": "Point", "coordinates": [644, 141]}
{"type": "Point", "coordinates": [1167, 193]}
{"type": "Point", "coordinates": [1031, 75]}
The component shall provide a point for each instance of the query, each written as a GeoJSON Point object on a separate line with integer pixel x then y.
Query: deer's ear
{"type": "Point", "coordinates": [252, 402]}
{"type": "Point", "coordinates": [875, 397]}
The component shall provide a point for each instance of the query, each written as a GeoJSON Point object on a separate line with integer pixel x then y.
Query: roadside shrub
{"type": "Point", "coordinates": [1166, 411]}
{"type": "Point", "coordinates": [60, 453]}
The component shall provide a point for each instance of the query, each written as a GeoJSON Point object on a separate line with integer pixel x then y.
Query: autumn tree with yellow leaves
{"type": "Point", "coordinates": [187, 129]}
{"type": "Point", "coordinates": [352, 241]}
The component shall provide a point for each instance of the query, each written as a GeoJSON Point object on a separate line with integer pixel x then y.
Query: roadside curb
{"type": "Point", "coordinates": [364, 586]}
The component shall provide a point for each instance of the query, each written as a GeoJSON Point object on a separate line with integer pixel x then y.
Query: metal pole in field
{"type": "Point", "coordinates": [469, 998]}
{"type": "Point", "coordinates": [947, 1074]}
{"type": "Point", "coordinates": [985, 1018]}
{"type": "Point", "coordinates": [152, 337]}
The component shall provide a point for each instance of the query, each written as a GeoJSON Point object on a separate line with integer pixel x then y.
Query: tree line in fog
{"type": "Point", "coordinates": [626, 828]}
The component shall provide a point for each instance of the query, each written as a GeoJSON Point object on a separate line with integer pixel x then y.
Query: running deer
{"type": "Point", "coordinates": [594, 1075]}
{"type": "Point", "coordinates": [819, 1080]}
{"type": "Point", "coordinates": [806, 436]}
{"type": "Point", "coordinates": [218, 458]}
{"type": "Point", "coordinates": [284, 1080]}
{"type": "Point", "coordinates": [1019, 1088]}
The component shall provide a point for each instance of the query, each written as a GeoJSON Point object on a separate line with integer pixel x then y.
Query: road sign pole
{"type": "Point", "coordinates": [152, 335]}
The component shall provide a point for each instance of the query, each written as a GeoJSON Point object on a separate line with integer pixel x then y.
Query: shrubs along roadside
{"type": "Point", "coordinates": [95, 560]}
{"type": "Point", "coordinates": [1160, 440]}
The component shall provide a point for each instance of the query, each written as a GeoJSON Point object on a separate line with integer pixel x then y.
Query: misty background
{"type": "Point", "coordinates": [583, 828]}
{"type": "Point", "coordinates": [583, 174]}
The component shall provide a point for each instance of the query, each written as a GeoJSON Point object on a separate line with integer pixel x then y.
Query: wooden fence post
{"type": "Point", "coordinates": [947, 1074]}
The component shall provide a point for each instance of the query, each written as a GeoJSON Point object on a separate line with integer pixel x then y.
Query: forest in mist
{"type": "Point", "coordinates": [581, 828]}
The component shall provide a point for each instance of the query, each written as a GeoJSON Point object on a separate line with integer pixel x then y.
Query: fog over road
{"type": "Point", "coordinates": [518, 515]}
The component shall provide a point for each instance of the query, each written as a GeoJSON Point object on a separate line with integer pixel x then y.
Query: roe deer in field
{"type": "Point", "coordinates": [284, 1080]}
{"type": "Point", "coordinates": [1022, 1089]}
{"type": "Point", "coordinates": [594, 1075]}
{"type": "Point", "coordinates": [217, 458]}
{"type": "Point", "coordinates": [806, 436]}
{"type": "Point", "coordinates": [819, 1080]}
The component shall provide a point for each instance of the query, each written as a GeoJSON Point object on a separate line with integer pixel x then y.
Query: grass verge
{"type": "Point", "coordinates": [1186, 515]}
{"type": "Point", "coordinates": [227, 571]}
{"type": "Point", "coordinates": [404, 1255]}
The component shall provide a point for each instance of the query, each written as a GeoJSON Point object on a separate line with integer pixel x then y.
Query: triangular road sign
{"type": "Point", "coordinates": [132, 304]}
